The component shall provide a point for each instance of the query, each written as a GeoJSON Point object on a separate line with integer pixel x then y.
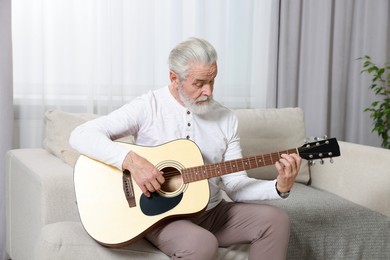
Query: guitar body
{"type": "Point", "coordinates": [104, 210]}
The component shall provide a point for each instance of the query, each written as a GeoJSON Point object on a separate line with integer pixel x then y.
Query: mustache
{"type": "Point", "coordinates": [204, 98]}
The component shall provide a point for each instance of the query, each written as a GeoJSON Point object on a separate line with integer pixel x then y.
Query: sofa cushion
{"type": "Point", "coordinates": [58, 126]}
{"type": "Point", "coordinates": [66, 240]}
{"type": "Point", "coordinates": [69, 240]}
{"type": "Point", "coordinates": [272, 130]}
{"type": "Point", "coordinates": [326, 226]}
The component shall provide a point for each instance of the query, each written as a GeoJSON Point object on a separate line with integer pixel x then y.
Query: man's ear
{"type": "Point", "coordinates": [174, 79]}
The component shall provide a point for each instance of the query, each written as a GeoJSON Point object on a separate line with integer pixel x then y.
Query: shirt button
{"type": "Point", "coordinates": [188, 137]}
{"type": "Point", "coordinates": [188, 112]}
{"type": "Point", "coordinates": [189, 124]}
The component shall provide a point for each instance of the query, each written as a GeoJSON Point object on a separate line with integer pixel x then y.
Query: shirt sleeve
{"type": "Point", "coordinates": [95, 138]}
{"type": "Point", "coordinates": [239, 186]}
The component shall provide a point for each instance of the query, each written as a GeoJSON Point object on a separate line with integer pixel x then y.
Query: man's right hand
{"type": "Point", "coordinates": [145, 174]}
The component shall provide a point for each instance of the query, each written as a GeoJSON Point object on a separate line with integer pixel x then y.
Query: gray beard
{"type": "Point", "coordinates": [191, 104]}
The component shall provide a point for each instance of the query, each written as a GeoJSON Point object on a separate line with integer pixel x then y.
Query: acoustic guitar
{"type": "Point", "coordinates": [115, 212]}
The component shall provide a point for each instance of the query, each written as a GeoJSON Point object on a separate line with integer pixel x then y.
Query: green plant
{"type": "Point", "coordinates": [380, 109]}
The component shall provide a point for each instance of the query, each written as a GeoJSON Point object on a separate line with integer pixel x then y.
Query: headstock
{"type": "Point", "coordinates": [320, 149]}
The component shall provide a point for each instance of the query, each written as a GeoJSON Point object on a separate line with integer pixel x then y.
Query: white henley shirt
{"type": "Point", "coordinates": [156, 118]}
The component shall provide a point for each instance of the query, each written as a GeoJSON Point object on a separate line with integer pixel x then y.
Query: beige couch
{"type": "Point", "coordinates": [337, 211]}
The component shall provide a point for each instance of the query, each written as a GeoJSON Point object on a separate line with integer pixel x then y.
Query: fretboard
{"type": "Point", "coordinates": [208, 171]}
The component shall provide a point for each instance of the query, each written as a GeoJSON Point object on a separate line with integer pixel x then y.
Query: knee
{"type": "Point", "coordinates": [272, 240]}
{"type": "Point", "coordinates": [280, 222]}
{"type": "Point", "coordinates": [281, 216]}
{"type": "Point", "coordinates": [201, 245]}
{"type": "Point", "coordinates": [206, 247]}
{"type": "Point", "coordinates": [273, 220]}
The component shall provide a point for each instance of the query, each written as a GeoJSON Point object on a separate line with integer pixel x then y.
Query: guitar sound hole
{"type": "Point", "coordinates": [173, 180]}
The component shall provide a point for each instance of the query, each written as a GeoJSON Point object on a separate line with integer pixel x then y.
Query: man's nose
{"type": "Point", "coordinates": [207, 90]}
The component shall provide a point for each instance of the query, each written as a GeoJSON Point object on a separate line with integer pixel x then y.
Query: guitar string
{"type": "Point", "coordinates": [217, 166]}
{"type": "Point", "coordinates": [250, 160]}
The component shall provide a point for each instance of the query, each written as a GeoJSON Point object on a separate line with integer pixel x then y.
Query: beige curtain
{"type": "Point", "coordinates": [317, 70]}
{"type": "Point", "coordinates": [6, 112]}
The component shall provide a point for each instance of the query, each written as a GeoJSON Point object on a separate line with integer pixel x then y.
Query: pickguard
{"type": "Point", "coordinates": [157, 204]}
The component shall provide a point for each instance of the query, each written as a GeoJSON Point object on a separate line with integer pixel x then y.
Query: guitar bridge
{"type": "Point", "coordinates": [128, 188]}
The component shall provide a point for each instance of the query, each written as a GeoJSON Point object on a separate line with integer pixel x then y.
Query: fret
{"type": "Point", "coordinates": [239, 165]}
{"type": "Point", "coordinates": [253, 162]}
{"type": "Point", "coordinates": [218, 169]}
{"type": "Point", "coordinates": [275, 157]}
{"type": "Point", "coordinates": [206, 170]}
{"type": "Point", "coordinates": [229, 166]}
{"type": "Point", "coordinates": [267, 159]}
{"type": "Point", "coordinates": [259, 161]}
{"type": "Point", "coordinates": [244, 163]}
{"type": "Point", "coordinates": [210, 170]}
{"type": "Point", "coordinates": [186, 176]}
{"type": "Point", "coordinates": [224, 167]}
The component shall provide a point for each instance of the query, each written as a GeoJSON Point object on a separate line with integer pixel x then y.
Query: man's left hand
{"type": "Point", "coordinates": [288, 168]}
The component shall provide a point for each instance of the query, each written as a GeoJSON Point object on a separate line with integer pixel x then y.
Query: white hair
{"type": "Point", "coordinates": [189, 51]}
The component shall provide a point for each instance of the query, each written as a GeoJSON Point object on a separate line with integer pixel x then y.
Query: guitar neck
{"type": "Point", "coordinates": [208, 171]}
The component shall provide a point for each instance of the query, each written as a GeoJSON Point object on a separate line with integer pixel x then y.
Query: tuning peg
{"type": "Point", "coordinates": [324, 137]}
{"type": "Point", "coordinates": [331, 160]}
{"type": "Point", "coordinates": [322, 161]}
{"type": "Point", "coordinates": [312, 162]}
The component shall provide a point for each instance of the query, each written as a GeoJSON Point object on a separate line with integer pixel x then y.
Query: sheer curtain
{"type": "Point", "coordinates": [95, 55]}
{"type": "Point", "coordinates": [317, 67]}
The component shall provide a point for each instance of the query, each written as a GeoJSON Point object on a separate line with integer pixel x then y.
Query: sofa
{"type": "Point", "coordinates": [339, 208]}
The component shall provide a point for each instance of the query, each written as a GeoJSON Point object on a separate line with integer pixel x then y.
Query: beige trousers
{"type": "Point", "coordinates": [266, 228]}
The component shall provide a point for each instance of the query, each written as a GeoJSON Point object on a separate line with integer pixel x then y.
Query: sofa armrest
{"type": "Point", "coordinates": [40, 191]}
{"type": "Point", "coordinates": [361, 174]}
